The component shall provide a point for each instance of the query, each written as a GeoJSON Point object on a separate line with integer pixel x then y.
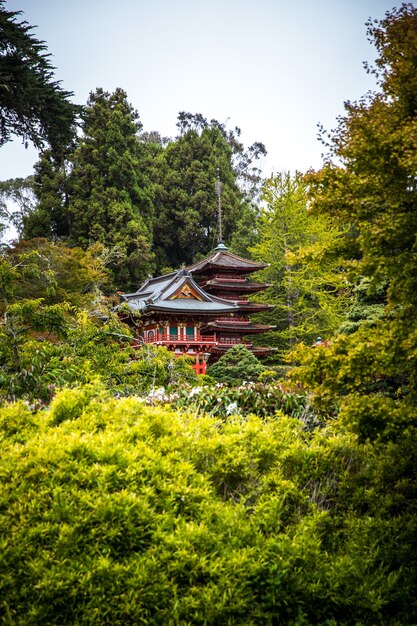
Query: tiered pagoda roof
{"type": "Point", "coordinates": [222, 259]}
{"type": "Point", "coordinates": [176, 293]}
{"type": "Point", "coordinates": [224, 275]}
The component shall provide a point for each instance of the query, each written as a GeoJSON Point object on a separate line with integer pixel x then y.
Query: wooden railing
{"type": "Point", "coordinates": [231, 341]}
{"type": "Point", "coordinates": [240, 320]}
{"type": "Point", "coordinates": [172, 337]}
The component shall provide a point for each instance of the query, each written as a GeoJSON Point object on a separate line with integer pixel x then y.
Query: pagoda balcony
{"type": "Point", "coordinates": [170, 338]}
{"type": "Point", "coordinates": [232, 341]}
{"type": "Point", "coordinates": [232, 320]}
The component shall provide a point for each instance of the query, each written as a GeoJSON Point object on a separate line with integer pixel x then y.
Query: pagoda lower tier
{"type": "Point", "coordinates": [191, 312]}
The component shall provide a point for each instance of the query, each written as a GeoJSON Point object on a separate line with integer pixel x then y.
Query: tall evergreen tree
{"type": "Point", "coordinates": [50, 183]}
{"type": "Point", "coordinates": [187, 211]}
{"type": "Point", "coordinates": [110, 199]}
{"type": "Point", "coordinates": [32, 104]}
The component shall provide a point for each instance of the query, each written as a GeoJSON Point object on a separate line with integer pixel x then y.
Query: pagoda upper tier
{"type": "Point", "coordinates": [224, 274]}
{"type": "Point", "coordinates": [221, 260]}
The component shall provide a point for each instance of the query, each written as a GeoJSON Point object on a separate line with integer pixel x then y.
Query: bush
{"type": "Point", "coordinates": [250, 398]}
{"type": "Point", "coordinates": [128, 514]}
{"type": "Point", "coordinates": [236, 366]}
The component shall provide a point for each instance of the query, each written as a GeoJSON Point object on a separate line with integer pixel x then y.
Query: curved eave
{"type": "Point", "coordinates": [242, 287]}
{"type": "Point", "coordinates": [253, 307]}
{"type": "Point", "coordinates": [225, 260]}
{"type": "Point", "coordinates": [226, 268]}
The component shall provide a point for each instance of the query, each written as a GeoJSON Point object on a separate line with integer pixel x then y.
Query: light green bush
{"type": "Point", "coordinates": [116, 513]}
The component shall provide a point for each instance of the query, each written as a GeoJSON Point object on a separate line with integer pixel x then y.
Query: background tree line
{"type": "Point", "coordinates": [150, 201]}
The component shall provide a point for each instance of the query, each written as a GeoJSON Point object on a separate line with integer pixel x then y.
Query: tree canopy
{"type": "Point", "coordinates": [33, 105]}
{"type": "Point", "coordinates": [109, 201]}
{"type": "Point", "coordinates": [187, 205]}
{"type": "Point", "coordinates": [237, 365]}
{"type": "Point", "coordinates": [371, 373]}
{"type": "Point", "coordinates": [307, 287]}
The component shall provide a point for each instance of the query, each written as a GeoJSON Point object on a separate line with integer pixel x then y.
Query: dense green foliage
{"type": "Point", "coordinates": [236, 366]}
{"type": "Point", "coordinates": [43, 348]}
{"type": "Point", "coordinates": [307, 287]}
{"type": "Point", "coordinates": [51, 188]}
{"type": "Point", "coordinates": [55, 273]}
{"type": "Point", "coordinates": [367, 308]}
{"type": "Point", "coordinates": [150, 201]}
{"type": "Point", "coordinates": [187, 205]}
{"type": "Point", "coordinates": [115, 513]}
{"type": "Point", "coordinates": [109, 202]}
{"type": "Point", "coordinates": [47, 340]}
{"type": "Point", "coordinates": [371, 374]}
{"type": "Point", "coordinates": [32, 103]}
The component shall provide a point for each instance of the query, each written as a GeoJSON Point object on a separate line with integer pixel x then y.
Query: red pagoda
{"type": "Point", "coordinates": [201, 310]}
{"type": "Point", "coordinates": [225, 275]}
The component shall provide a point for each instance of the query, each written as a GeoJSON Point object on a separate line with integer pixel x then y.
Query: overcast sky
{"type": "Point", "coordinates": [274, 68]}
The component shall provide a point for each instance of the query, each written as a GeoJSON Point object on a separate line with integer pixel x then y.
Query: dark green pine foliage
{"type": "Point", "coordinates": [51, 188]}
{"type": "Point", "coordinates": [187, 205]}
{"type": "Point", "coordinates": [111, 201]}
{"type": "Point", "coordinates": [236, 366]}
{"type": "Point", "coordinates": [32, 103]}
{"type": "Point", "coordinates": [245, 235]}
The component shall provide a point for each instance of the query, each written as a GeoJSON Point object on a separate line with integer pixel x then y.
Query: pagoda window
{"type": "Point", "coordinates": [190, 332]}
{"type": "Point", "coordinates": [173, 330]}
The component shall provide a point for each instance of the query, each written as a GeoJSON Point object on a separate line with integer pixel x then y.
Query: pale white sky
{"type": "Point", "coordinates": [275, 68]}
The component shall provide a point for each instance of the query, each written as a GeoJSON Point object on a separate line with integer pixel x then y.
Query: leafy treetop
{"type": "Point", "coordinates": [32, 103]}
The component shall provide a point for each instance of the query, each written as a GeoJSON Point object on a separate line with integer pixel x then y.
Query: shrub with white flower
{"type": "Point", "coordinates": [232, 408]}
{"type": "Point", "coordinates": [256, 398]}
{"type": "Point", "coordinates": [195, 391]}
{"type": "Point", "coordinates": [156, 396]}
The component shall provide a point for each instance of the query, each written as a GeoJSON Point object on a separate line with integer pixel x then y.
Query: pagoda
{"type": "Point", "coordinates": [201, 310]}
{"type": "Point", "coordinates": [226, 275]}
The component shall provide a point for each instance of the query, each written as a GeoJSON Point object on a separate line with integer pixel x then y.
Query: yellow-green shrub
{"type": "Point", "coordinates": [113, 512]}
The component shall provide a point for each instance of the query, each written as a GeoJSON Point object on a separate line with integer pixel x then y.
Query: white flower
{"type": "Point", "coordinates": [195, 391]}
{"type": "Point", "coordinates": [157, 395]}
{"type": "Point", "coordinates": [231, 408]}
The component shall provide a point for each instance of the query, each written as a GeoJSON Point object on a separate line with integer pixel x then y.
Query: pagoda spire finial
{"type": "Point", "coordinates": [220, 244]}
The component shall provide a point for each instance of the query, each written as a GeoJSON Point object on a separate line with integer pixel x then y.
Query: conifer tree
{"type": "Point", "coordinates": [51, 188]}
{"type": "Point", "coordinates": [32, 103]}
{"type": "Point", "coordinates": [110, 202]}
{"type": "Point", "coordinates": [187, 205]}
